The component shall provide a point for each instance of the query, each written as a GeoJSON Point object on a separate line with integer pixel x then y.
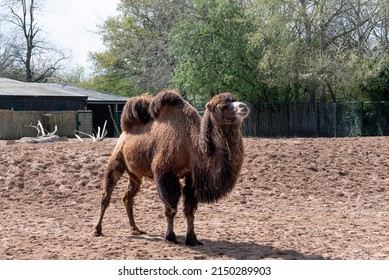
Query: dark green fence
{"type": "Point", "coordinates": [342, 119]}
{"type": "Point", "coordinates": [318, 120]}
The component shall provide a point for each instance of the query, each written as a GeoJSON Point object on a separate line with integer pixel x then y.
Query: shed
{"type": "Point", "coordinates": [104, 106]}
{"type": "Point", "coordinates": [21, 96]}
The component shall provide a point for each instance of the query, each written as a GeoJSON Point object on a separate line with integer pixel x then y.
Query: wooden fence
{"type": "Point", "coordinates": [318, 120]}
{"type": "Point", "coordinates": [15, 124]}
{"type": "Point", "coordinates": [342, 119]}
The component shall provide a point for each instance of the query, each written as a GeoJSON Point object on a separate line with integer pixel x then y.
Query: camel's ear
{"type": "Point", "coordinates": [209, 106]}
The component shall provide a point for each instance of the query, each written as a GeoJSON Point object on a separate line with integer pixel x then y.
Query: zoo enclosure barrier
{"type": "Point", "coordinates": [16, 124]}
{"type": "Point", "coordinates": [340, 119]}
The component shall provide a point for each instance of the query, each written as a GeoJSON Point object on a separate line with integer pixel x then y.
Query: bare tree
{"type": "Point", "coordinates": [31, 50]}
{"type": "Point", "coordinates": [381, 32]}
{"type": "Point", "coordinates": [6, 58]}
{"type": "Point", "coordinates": [333, 35]}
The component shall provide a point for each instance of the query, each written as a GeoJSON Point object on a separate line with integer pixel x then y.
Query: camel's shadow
{"type": "Point", "coordinates": [249, 251]}
{"type": "Point", "coordinates": [239, 250]}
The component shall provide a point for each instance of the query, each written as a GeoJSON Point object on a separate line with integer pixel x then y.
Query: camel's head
{"type": "Point", "coordinates": [226, 110]}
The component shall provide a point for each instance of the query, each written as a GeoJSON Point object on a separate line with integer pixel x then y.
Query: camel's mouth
{"type": "Point", "coordinates": [244, 114]}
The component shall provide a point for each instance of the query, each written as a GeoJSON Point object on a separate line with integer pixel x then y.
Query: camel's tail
{"type": "Point", "coordinates": [136, 111]}
{"type": "Point", "coordinates": [165, 98]}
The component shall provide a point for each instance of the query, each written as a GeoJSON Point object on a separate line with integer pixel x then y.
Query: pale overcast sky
{"type": "Point", "coordinates": [71, 24]}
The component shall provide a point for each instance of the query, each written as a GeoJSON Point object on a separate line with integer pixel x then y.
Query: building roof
{"type": "Point", "coordinates": [12, 88]}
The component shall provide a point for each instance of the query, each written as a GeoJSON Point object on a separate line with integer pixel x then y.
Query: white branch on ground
{"type": "Point", "coordinates": [100, 135]}
{"type": "Point", "coordinates": [42, 131]}
{"type": "Point", "coordinates": [42, 136]}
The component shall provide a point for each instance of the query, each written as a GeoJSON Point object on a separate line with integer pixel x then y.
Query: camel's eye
{"type": "Point", "coordinates": [223, 107]}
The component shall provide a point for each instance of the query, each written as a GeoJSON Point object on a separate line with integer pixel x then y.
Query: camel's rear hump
{"type": "Point", "coordinates": [136, 111]}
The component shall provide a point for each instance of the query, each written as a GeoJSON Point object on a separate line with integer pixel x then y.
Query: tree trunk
{"type": "Point", "coordinates": [311, 90]}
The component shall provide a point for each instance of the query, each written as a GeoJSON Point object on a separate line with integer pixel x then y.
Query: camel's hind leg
{"type": "Point", "coordinates": [128, 200]}
{"type": "Point", "coordinates": [169, 191]}
{"type": "Point", "coordinates": [114, 172]}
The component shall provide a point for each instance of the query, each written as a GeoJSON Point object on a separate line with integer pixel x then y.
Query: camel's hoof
{"type": "Point", "coordinates": [193, 242]}
{"type": "Point", "coordinates": [137, 232]}
{"type": "Point", "coordinates": [173, 241]}
{"type": "Point", "coordinates": [98, 233]}
{"type": "Point", "coordinates": [171, 238]}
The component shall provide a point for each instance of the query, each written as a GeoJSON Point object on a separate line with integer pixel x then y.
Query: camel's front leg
{"type": "Point", "coordinates": [128, 200]}
{"type": "Point", "coordinates": [169, 191]}
{"type": "Point", "coordinates": [190, 206]}
{"type": "Point", "coordinates": [115, 170]}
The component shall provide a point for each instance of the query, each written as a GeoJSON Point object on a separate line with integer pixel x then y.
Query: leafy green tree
{"type": "Point", "coordinates": [283, 52]}
{"type": "Point", "coordinates": [261, 50]}
{"type": "Point", "coordinates": [212, 51]}
{"type": "Point", "coordinates": [315, 44]}
{"type": "Point", "coordinates": [374, 84]}
{"type": "Point", "coordinates": [111, 73]}
{"type": "Point", "coordinates": [137, 58]}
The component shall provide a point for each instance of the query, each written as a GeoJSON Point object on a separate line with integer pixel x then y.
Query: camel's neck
{"type": "Point", "coordinates": [222, 157]}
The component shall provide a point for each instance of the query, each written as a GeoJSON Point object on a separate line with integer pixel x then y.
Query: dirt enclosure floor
{"type": "Point", "coordinates": [295, 199]}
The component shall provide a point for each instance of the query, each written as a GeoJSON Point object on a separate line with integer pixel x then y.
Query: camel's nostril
{"type": "Point", "coordinates": [244, 108]}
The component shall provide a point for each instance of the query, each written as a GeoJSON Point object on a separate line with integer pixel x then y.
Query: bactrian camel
{"type": "Point", "coordinates": [165, 139]}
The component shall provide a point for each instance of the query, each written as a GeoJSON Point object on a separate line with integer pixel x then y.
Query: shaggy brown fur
{"type": "Point", "coordinates": [170, 141]}
{"type": "Point", "coordinates": [222, 149]}
{"type": "Point", "coordinates": [136, 111]}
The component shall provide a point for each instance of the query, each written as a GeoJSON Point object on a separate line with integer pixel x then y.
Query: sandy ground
{"type": "Point", "coordinates": [296, 199]}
